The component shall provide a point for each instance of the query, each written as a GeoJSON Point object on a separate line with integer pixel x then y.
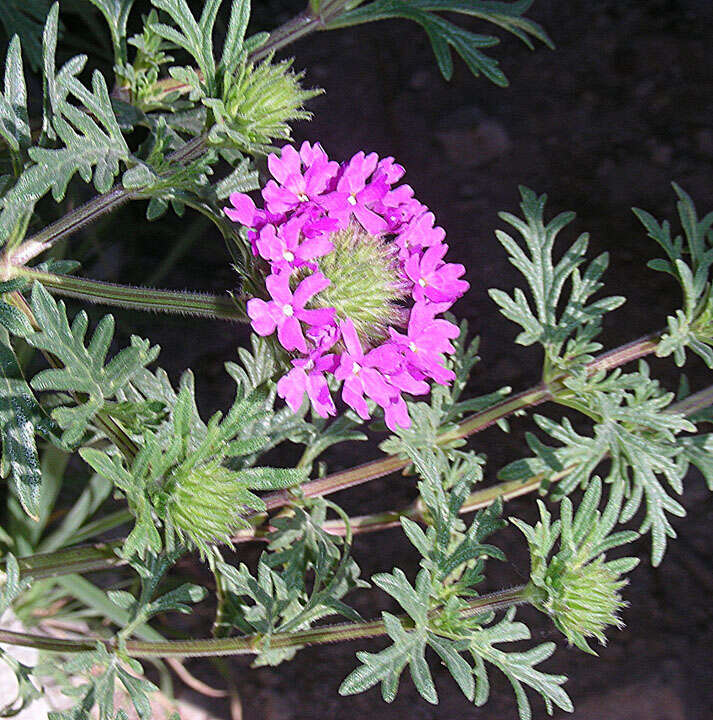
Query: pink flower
{"type": "Point", "coordinates": [243, 211]}
{"type": "Point", "coordinates": [354, 195]}
{"type": "Point", "coordinates": [307, 376]}
{"type": "Point", "coordinates": [426, 341]}
{"type": "Point", "coordinates": [396, 414]}
{"type": "Point", "coordinates": [293, 188]}
{"type": "Point", "coordinates": [418, 234]}
{"type": "Point", "coordinates": [361, 373]}
{"type": "Point", "coordinates": [286, 309]}
{"type": "Point", "coordinates": [433, 279]}
{"type": "Point", "coordinates": [307, 203]}
{"type": "Point", "coordinates": [390, 170]}
{"type": "Point", "coordinates": [283, 246]}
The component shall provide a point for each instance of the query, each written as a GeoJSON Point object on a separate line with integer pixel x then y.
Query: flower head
{"type": "Point", "coordinates": [357, 281]}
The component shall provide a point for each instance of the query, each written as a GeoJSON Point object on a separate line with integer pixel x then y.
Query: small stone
{"type": "Point", "coordinates": [661, 154]}
{"type": "Point", "coordinates": [475, 146]}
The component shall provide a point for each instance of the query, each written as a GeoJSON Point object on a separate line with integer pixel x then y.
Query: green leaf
{"type": "Point", "coordinates": [21, 418]}
{"type": "Point", "coordinates": [15, 322]}
{"type": "Point", "coordinates": [303, 576]}
{"type": "Point", "coordinates": [445, 35]}
{"type": "Point", "coordinates": [12, 586]}
{"type": "Point", "coordinates": [518, 667]}
{"type": "Point", "coordinates": [698, 451]}
{"type": "Point", "coordinates": [457, 666]}
{"type": "Point", "coordinates": [81, 121]}
{"type": "Point", "coordinates": [195, 37]}
{"type": "Point", "coordinates": [14, 123]}
{"type": "Point", "coordinates": [84, 372]}
{"type": "Point", "coordinates": [639, 440]}
{"type": "Point", "coordinates": [689, 260]}
{"type": "Point", "coordinates": [408, 648]}
{"type": "Point", "coordinates": [233, 47]}
{"type": "Point", "coordinates": [565, 327]}
{"type": "Point", "coordinates": [103, 670]}
{"type": "Point", "coordinates": [116, 14]}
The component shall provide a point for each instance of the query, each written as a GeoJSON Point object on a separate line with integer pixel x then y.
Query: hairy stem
{"type": "Point", "coordinates": [252, 644]}
{"type": "Point", "coordinates": [484, 497]}
{"type": "Point", "coordinates": [54, 563]}
{"type": "Point", "coordinates": [221, 307]}
{"type": "Point", "coordinates": [80, 217]}
{"type": "Point", "coordinates": [531, 397]}
{"type": "Point", "coordinates": [74, 560]}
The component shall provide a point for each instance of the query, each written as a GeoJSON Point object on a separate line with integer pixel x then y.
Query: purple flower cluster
{"type": "Point", "coordinates": [308, 203]}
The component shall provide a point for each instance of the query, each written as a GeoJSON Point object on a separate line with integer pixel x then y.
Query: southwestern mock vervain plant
{"type": "Point", "coordinates": [344, 280]}
{"type": "Point", "coordinates": [356, 268]}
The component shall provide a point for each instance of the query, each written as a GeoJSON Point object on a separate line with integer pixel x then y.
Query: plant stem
{"type": "Point", "coordinates": [139, 298]}
{"type": "Point", "coordinates": [252, 644]}
{"type": "Point", "coordinates": [294, 29]}
{"type": "Point", "coordinates": [531, 397]}
{"type": "Point", "coordinates": [54, 563]}
{"type": "Point", "coordinates": [480, 499]}
{"type": "Point", "coordinates": [80, 217]}
{"type": "Point", "coordinates": [73, 560]}
{"type": "Point", "coordinates": [70, 223]}
{"type": "Point", "coordinates": [535, 395]}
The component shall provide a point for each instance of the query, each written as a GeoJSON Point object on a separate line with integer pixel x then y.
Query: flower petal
{"type": "Point", "coordinates": [261, 318]}
{"type": "Point", "coordinates": [309, 287]}
{"type": "Point", "coordinates": [289, 333]}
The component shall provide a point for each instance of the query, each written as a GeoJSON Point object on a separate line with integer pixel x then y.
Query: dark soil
{"type": "Point", "coordinates": [606, 121]}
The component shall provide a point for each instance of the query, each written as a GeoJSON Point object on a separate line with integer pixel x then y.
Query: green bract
{"type": "Point", "coordinates": [576, 585]}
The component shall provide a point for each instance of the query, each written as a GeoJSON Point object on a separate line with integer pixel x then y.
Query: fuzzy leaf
{"type": "Point", "coordinates": [81, 121]}
{"type": "Point", "coordinates": [567, 336]}
{"type": "Point", "coordinates": [445, 35]}
{"type": "Point", "coordinates": [689, 259]}
{"type": "Point", "coordinates": [14, 123]}
{"type": "Point", "coordinates": [21, 418]}
{"type": "Point", "coordinates": [116, 14]}
{"type": "Point", "coordinates": [84, 371]}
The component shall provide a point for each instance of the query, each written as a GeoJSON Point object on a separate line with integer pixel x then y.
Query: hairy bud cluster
{"type": "Point", "coordinates": [356, 283]}
{"type": "Point", "coordinates": [582, 600]}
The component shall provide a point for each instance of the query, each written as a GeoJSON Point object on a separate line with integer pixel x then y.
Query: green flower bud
{"type": "Point", "coordinates": [576, 586]}
{"type": "Point", "coordinates": [581, 600]}
{"type": "Point", "coordinates": [258, 105]}
{"type": "Point", "coordinates": [365, 283]}
{"type": "Point", "coordinates": [202, 504]}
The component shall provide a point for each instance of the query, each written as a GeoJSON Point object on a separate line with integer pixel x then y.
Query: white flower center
{"type": "Point", "coordinates": [356, 368]}
{"type": "Point", "coordinates": [288, 310]}
{"type": "Point", "coordinates": [302, 197]}
{"type": "Point", "coordinates": [422, 282]}
{"type": "Point", "coordinates": [289, 256]}
{"type": "Point", "coordinates": [352, 200]}
{"type": "Point", "coordinates": [412, 346]}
